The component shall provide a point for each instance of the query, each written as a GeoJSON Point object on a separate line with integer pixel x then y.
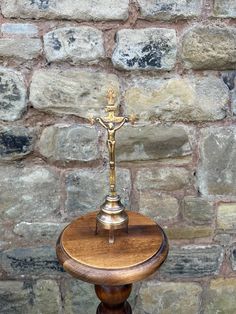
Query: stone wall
{"type": "Point", "coordinates": [174, 64]}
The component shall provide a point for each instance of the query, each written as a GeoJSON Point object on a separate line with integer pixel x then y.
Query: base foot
{"type": "Point", "coordinates": [126, 309]}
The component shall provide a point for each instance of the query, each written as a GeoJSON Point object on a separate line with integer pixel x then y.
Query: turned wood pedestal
{"type": "Point", "coordinates": [112, 268]}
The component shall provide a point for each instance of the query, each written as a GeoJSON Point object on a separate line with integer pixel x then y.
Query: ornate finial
{"type": "Point", "coordinates": [111, 96]}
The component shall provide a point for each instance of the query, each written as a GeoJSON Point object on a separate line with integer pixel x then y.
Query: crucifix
{"type": "Point", "coordinates": [112, 213]}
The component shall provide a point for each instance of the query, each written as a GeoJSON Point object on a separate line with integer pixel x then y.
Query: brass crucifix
{"type": "Point", "coordinates": [112, 213]}
{"type": "Point", "coordinates": [112, 123]}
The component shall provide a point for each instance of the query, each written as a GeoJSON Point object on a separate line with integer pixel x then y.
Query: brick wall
{"type": "Point", "coordinates": [171, 62]}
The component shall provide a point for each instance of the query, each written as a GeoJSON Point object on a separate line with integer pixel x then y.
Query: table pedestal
{"type": "Point", "coordinates": [113, 299]}
{"type": "Point", "coordinates": [112, 268]}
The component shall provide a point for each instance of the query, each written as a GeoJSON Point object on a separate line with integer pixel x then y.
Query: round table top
{"type": "Point", "coordinates": [132, 257]}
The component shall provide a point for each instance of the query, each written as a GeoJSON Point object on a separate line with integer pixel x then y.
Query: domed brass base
{"type": "Point", "coordinates": [112, 216]}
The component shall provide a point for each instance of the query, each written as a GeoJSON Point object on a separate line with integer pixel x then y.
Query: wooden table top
{"type": "Point", "coordinates": [132, 257]}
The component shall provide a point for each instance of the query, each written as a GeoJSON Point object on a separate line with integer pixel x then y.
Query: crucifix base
{"type": "Point", "coordinates": [112, 216]}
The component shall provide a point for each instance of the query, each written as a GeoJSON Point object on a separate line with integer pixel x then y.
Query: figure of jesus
{"type": "Point", "coordinates": [111, 128]}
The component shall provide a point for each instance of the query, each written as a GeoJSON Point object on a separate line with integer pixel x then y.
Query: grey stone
{"type": "Point", "coordinates": [225, 8]}
{"type": "Point", "coordinates": [178, 99]}
{"type": "Point", "coordinates": [47, 298]}
{"type": "Point", "coordinates": [20, 48]}
{"type": "Point", "coordinates": [234, 98]}
{"type": "Point", "coordinates": [17, 297]}
{"type": "Point", "coordinates": [69, 142]}
{"type": "Point", "coordinates": [12, 95]}
{"type": "Point", "coordinates": [28, 193]}
{"type": "Point", "coordinates": [87, 10]}
{"type": "Point", "coordinates": [36, 261]}
{"type": "Point", "coordinates": [71, 91]}
{"type": "Point", "coordinates": [3, 245]}
{"type": "Point", "coordinates": [220, 296]}
{"type": "Point", "coordinates": [86, 189]}
{"type": "Point", "coordinates": [165, 178]}
{"type": "Point", "coordinates": [217, 169]}
{"type": "Point", "coordinates": [39, 231]}
{"type": "Point", "coordinates": [157, 297]}
{"type": "Point", "coordinates": [14, 297]}
{"type": "Point", "coordinates": [170, 9]}
{"type": "Point", "coordinates": [209, 47]}
{"type": "Point", "coordinates": [151, 142]}
{"type": "Point", "coordinates": [159, 207]}
{"type": "Point", "coordinates": [79, 297]}
{"type": "Point", "coordinates": [19, 29]}
{"type": "Point", "coordinates": [226, 217]}
{"type": "Point", "coordinates": [16, 142]}
{"type": "Point", "coordinates": [193, 261]}
{"type": "Point", "coordinates": [145, 49]}
{"type": "Point", "coordinates": [230, 79]}
{"type": "Point", "coordinates": [77, 45]}
{"type": "Point", "coordinates": [224, 239]}
{"type": "Point", "coordinates": [197, 210]}
{"type": "Point", "coordinates": [6, 235]}
{"type": "Point", "coordinates": [233, 257]}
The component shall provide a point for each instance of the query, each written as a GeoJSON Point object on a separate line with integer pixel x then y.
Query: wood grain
{"type": "Point", "coordinates": [114, 299]}
{"type": "Point", "coordinates": [132, 257]}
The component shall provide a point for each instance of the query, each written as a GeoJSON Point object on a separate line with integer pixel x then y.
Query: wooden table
{"type": "Point", "coordinates": [112, 268]}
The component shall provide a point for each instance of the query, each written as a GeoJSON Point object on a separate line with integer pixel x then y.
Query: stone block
{"type": "Point", "coordinates": [145, 49]}
{"type": "Point", "coordinates": [226, 217]}
{"type": "Point", "coordinates": [71, 91]}
{"type": "Point", "coordinates": [79, 297]}
{"type": "Point", "coordinates": [197, 210]}
{"type": "Point", "coordinates": [181, 231]}
{"type": "Point", "coordinates": [77, 45]}
{"type": "Point", "coordinates": [193, 261]}
{"type": "Point", "coordinates": [224, 239]}
{"type": "Point", "coordinates": [34, 261]}
{"type": "Point", "coordinates": [28, 193]}
{"type": "Point", "coordinates": [225, 8]}
{"type": "Point", "coordinates": [87, 188]}
{"type": "Point", "coordinates": [16, 142]}
{"type": "Point", "coordinates": [220, 296]}
{"type": "Point", "coordinates": [233, 256]}
{"type": "Point", "coordinates": [14, 297]}
{"type": "Point", "coordinates": [19, 29]}
{"type": "Point", "coordinates": [151, 142]}
{"type": "Point", "coordinates": [158, 207]}
{"type": "Point", "coordinates": [217, 168]}
{"type": "Point", "coordinates": [234, 100]}
{"type": "Point", "coordinates": [178, 99]}
{"type": "Point", "coordinates": [165, 178]}
{"type": "Point", "coordinates": [166, 10]}
{"type": "Point", "coordinates": [20, 48]}
{"type": "Point", "coordinates": [39, 231]}
{"type": "Point", "coordinates": [12, 95]}
{"type": "Point", "coordinates": [86, 10]}
{"type": "Point", "coordinates": [69, 142]}
{"type": "Point", "coordinates": [209, 48]}
{"type": "Point", "coordinates": [157, 297]}
{"type": "Point", "coordinates": [47, 298]}
{"type": "Point", "coordinates": [26, 297]}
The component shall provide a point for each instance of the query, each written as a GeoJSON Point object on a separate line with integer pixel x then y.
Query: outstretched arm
{"type": "Point", "coordinates": [102, 123]}
{"type": "Point", "coordinates": [121, 124]}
